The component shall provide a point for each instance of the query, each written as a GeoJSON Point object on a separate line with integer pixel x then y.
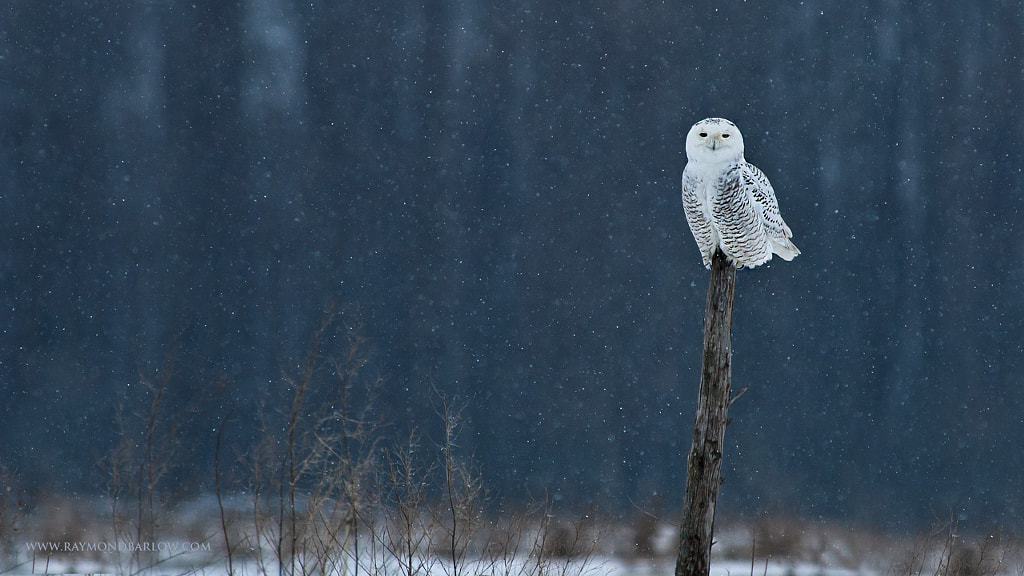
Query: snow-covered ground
{"type": "Point", "coordinates": [76, 538]}
{"type": "Point", "coordinates": [595, 566]}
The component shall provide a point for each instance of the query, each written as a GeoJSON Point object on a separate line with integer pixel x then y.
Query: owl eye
{"type": "Point", "coordinates": [726, 135]}
{"type": "Point", "coordinates": [703, 134]}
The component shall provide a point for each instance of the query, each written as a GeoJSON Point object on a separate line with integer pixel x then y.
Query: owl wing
{"type": "Point", "coordinates": [736, 215]}
{"type": "Point", "coordinates": [695, 206]}
{"type": "Point", "coordinates": [762, 195]}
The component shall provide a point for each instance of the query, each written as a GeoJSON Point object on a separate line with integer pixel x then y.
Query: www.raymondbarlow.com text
{"type": "Point", "coordinates": [52, 547]}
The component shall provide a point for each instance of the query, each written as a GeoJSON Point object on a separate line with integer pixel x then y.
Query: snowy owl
{"type": "Point", "coordinates": [729, 203]}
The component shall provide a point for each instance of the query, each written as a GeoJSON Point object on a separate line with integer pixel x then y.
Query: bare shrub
{"type": "Point", "coordinates": [564, 547]}
{"type": "Point", "coordinates": [405, 534]}
{"type": "Point", "coordinates": [534, 542]}
{"type": "Point", "coordinates": [946, 552]}
{"type": "Point", "coordinates": [327, 490]}
{"type": "Point", "coordinates": [459, 510]}
{"type": "Point", "coordinates": [12, 512]}
{"type": "Point", "coordinates": [778, 537]}
{"type": "Point", "coordinates": [643, 531]}
{"type": "Point", "coordinates": [311, 476]}
{"type": "Point", "coordinates": [136, 468]}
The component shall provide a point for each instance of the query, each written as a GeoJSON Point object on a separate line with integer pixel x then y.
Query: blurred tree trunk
{"type": "Point", "coordinates": [704, 464]}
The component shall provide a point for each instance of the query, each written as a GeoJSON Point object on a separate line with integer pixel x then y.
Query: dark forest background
{"type": "Point", "coordinates": [490, 193]}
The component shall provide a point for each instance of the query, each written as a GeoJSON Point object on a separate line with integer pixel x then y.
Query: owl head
{"type": "Point", "coordinates": [714, 140]}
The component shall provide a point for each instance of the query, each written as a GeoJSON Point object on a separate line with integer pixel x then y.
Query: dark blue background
{"type": "Point", "coordinates": [492, 193]}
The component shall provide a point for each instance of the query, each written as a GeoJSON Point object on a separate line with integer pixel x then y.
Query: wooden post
{"type": "Point", "coordinates": [704, 464]}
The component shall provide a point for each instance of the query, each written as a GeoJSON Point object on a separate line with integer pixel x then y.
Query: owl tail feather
{"type": "Point", "coordinates": [785, 249]}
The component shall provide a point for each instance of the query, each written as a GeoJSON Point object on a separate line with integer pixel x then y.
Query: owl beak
{"type": "Point", "coordinates": [715, 143]}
